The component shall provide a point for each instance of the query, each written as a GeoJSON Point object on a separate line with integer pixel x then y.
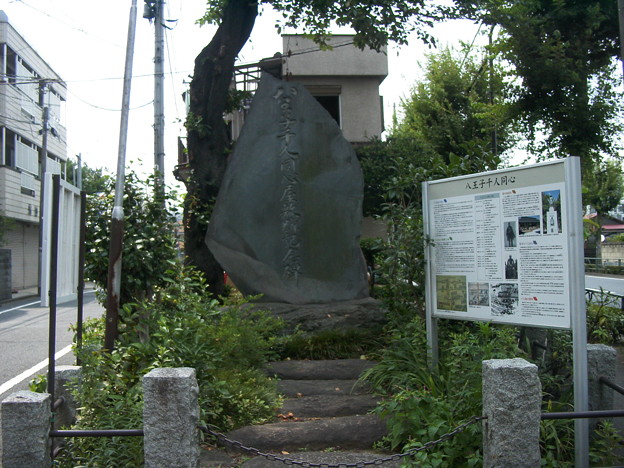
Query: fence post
{"type": "Point", "coordinates": [171, 418]}
{"type": "Point", "coordinates": [601, 362]}
{"type": "Point", "coordinates": [25, 419]}
{"type": "Point", "coordinates": [65, 415]}
{"type": "Point", "coordinates": [512, 396]}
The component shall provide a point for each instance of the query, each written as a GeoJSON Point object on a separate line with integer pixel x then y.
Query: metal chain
{"type": "Point", "coordinates": [378, 461]}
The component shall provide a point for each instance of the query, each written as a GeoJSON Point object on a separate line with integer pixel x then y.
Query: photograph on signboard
{"type": "Point", "coordinates": [529, 225]}
{"type": "Point", "coordinates": [551, 212]}
{"type": "Point", "coordinates": [510, 234]}
{"type": "Point", "coordinates": [511, 268]}
{"type": "Point", "coordinates": [479, 294]}
{"type": "Point", "coordinates": [504, 299]}
{"type": "Point", "coordinates": [451, 293]}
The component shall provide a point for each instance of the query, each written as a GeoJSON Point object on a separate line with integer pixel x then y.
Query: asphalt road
{"type": "Point", "coordinates": [24, 330]}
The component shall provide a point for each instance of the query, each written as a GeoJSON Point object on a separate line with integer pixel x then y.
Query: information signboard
{"type": "Point", "coordinates": [507, 247]}
{"type": "Point", "coordinates": [499, 246]}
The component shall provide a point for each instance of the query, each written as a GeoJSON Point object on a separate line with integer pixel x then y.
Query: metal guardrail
{"type": "Point", "coordinates": [607, 297]}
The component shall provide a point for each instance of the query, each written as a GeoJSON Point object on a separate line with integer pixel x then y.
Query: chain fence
{"type": "Point", "coordinates": [212, 431]}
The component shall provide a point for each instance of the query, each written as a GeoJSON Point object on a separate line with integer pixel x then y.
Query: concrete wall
{"type": "Point", "coordinates": [612, 251]}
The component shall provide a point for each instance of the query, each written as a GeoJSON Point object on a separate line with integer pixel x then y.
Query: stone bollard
{"type": "Point", "coordinates": [25, 419]}
{"type": "Point", "coordinates": [65, 415]}
{"type": "Point", "coordinates": [171, 418]}
{"type": "Point", "coordinates": [512, 397]}
{"type": "Point", "coordinates": [601, 362]}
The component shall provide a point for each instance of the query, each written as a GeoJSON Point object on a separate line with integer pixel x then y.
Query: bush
{"type": "Point", "coordinates": [181, 327]}
{"type": "Point", "coordinates": [149, 237]}
{"type": "Point", "coordinates": [424, 405]}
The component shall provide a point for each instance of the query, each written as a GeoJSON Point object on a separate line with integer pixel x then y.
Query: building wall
{"type": "Point", "coordinates": [13, 96]}
{"type": "Point", "coordinates": [23, 241]}
{"type": "Point", "coordinates": [303, 58]}
{"type": "Point", "coordinates": [13, 203]}
{"type": "Point", "coordinates": [21, 118]}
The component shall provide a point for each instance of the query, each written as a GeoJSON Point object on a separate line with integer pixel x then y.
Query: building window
{"type": "Point", "coordinates": [329, 97]}
{"type": "Point", "coordinates": [331, 105]}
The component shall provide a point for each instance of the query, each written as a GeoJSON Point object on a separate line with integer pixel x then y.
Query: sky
{"type": "Point", "coordinates": [85, 43]}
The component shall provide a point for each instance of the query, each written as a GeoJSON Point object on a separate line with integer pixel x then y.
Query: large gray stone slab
{"type": "Point", "coordinates": [339, 369]}
{"type": "Point", "coordinates": [286, 223]}
{"type": "Point", "coordinates": [348, 432]}
{"type": "Point", "coordinates": [325, 458]}
{"type": "Point", "coordinates": [294, 388]}
{"type": "Point", "coordinates": [361, 314]}
{"type": "Point", "coordinates": [323, 406]}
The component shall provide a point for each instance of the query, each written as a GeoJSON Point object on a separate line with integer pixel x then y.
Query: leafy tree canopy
{"type": "Point", "coordinates": [563, 51]}
{"type": "Point", "coordinates": [460, 108]}
{"type": "Point", "coordinates": [604, 188]}
{"type": "Point", "coordinates": [375, 22]}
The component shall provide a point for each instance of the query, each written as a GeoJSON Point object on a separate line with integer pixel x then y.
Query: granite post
{"type": "Point", "coordinates": [25, 420]}
{"type": "Point", "coordinates": [512, 396]}
{"type": "Point", "coordinates": [66, 414]}
{"type": "Point", "coordinates": [601, 362]}
{"type": "Point", "coordinates": [171, 418]}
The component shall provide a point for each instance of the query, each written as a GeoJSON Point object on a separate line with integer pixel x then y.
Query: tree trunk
{"type": "Point", "coordinates": [208, 140]}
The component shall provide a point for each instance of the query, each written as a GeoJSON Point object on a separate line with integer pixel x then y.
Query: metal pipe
{"type": "Point", "coordinates": [613, 385]}
{"type": "Point", "coordinates": [56, 188]}
{"type": "Point", "coordinates": [584, 414]}
{"type": "Point", "coordinates": [99, 433]}
{"type": "Point", "coordinates": [81, 269]}
{"type": "Point", "coordinates": [60, 401]}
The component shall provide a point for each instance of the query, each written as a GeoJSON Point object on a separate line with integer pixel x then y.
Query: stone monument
{"type": "Point", "coordinates": [286, 223]}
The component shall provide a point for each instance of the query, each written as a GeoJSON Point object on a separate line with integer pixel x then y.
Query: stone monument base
{"type": "Point", "coordinates": [359, 314]}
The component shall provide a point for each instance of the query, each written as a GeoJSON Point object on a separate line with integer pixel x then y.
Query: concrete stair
{"type": "Point", "coordinates": [326, 410]}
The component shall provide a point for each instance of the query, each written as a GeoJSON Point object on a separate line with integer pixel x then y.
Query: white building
{"type": "Point", "coordinates": [343, 78]}
{"type": "Point", "coordinates": [29, 85]}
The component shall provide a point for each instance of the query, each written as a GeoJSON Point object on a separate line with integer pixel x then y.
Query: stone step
{"type": "Point", "coordinates": [323, 406]}
{"type": "Point", "coordinates": [297, 388]}
{"type": "Point", "coordinates": [337, 369]}
{"type": "Point", "coordinates": [323, 458]}
{"type": "Point", "coordinates": [347, 432]}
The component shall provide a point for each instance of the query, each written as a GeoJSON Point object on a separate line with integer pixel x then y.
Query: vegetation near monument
{"type": "Point", "coordinates": [462, 118]}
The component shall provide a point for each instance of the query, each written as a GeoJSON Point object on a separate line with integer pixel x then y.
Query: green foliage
{"type": "Point", "coordinates": [180, 327]}
{"type": "Point", "coordinates": [605, 320]}
{"type": "Point", "coordinates": [149, 242]}
{"type": "Point", "coordinates": [563, 53]}
{"type": "Point", "coordinates": [39, 383]}
{"type": "Point", "coordinates": [615, 238]}
{"type": "Point", "coordinates": [460, 108]}
{"type": "Point", "coordinates": [603, 187]}
{"type": "Point", "coordinates": [424, 404]}
{"type": "Point", "coordinates": [94, 180]}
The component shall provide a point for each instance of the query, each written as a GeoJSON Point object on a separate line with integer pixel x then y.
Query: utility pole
{"type": "Point", "coordinates": [153, 10]}
{"type": "Point", "coordinates": [42, 176]}
{"type": "Point", "coordinates": [113, 284]}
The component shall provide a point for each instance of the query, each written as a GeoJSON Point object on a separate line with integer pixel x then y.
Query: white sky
{"type": "Point", "coordinates": [85, 43]}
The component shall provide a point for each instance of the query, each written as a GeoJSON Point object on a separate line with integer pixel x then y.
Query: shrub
{"type": "Point", "coordinates": [149, 237]}
{"type": "Point", "coordinates": [180, 327]}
